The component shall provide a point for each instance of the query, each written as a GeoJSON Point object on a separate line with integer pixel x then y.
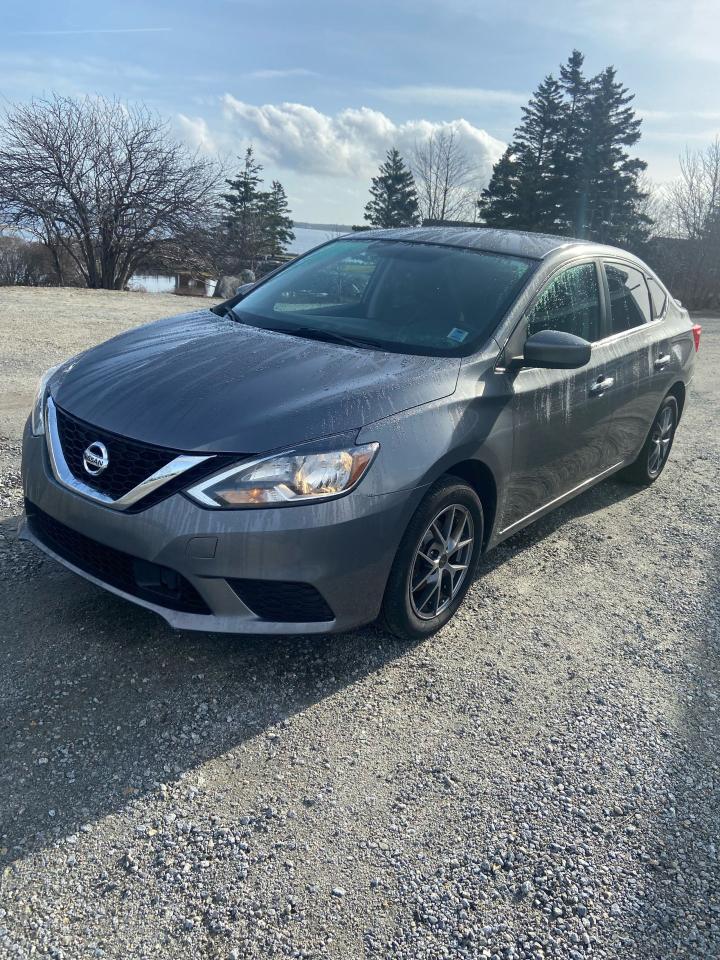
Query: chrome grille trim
{"type": "Point", "coordinates": [64, 475]}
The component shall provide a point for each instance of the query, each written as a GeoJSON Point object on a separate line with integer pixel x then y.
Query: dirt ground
{"type": "Point", "coordinates": [541, 779]}
{"type": "Point", "coordinates": [42, 326]}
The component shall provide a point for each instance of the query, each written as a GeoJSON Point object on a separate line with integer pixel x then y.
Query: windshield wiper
{"type": "Point", "coordinates": [310, 333]}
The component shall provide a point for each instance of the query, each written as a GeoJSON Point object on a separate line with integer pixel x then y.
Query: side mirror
{"type": "Point", "coordinates": [244, 289]}
{"type": "Point", "coordinates": [555, 350]}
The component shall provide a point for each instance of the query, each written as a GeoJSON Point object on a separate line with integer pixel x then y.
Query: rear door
{"type": "Point", "coordinates": [640, 356]}
{"type": "Point", "coordinates": [560, 417]}
{"type": "Point", "coordinates": [666, 362]}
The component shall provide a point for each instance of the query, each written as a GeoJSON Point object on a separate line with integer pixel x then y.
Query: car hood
{"type": "Point", "coordinates": [199, 382]}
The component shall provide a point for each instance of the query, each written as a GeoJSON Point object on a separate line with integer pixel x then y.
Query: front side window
{"type": "Point", "coordinates": [391, 295]}
{"type": "Point", "coordinates": [570, 303]}
{"type": "Point", "coordinates": [629, 297]}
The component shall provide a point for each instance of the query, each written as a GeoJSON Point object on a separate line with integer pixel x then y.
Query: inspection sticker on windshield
{"type": "Point", "coordinates": [457, 335]}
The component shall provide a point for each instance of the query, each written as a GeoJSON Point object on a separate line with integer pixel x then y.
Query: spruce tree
{"type": "Point", "coordinates": [519, 194]}
{"type": "Point", "coordinates": [393, 197]}
{"type": "Point", "coordinates": [241, 210]}
{"type": "Point", "coordinates": [537, 141]}
{"type": "Point", "coordinates": [609, 191]}
{"type": "Point", "coordinates": [574, 85]}
{"type": "Point", "coordinates": [256, 222]}
{"type": "Point", "coordinates": [569, 153]}
{"type": "Point", "coordinates": [498, 203]}
{"type": "Point", "coordinates": [276, 223]}
{"type": "Point", "coordinates": [567, 169]}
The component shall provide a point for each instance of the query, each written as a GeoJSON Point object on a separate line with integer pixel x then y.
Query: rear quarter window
{"type": "Point", "coordinates": [658, 297]}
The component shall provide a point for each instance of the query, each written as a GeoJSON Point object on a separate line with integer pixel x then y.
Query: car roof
{"type": "Point", "coordinates": [517, 243]}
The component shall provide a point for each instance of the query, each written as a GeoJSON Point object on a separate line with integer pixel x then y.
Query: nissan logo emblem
{"type": "Point", "coordinates": [95, 458]}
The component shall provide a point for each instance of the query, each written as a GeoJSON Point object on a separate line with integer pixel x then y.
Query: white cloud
{"type": "Point", "coordinates": [453, 96]}
{"type": "Point", "coordinates": [197, 133]}
{"type": "Point", "coordinates": [665, 28]}
{"type": "Point", "coordinates": [682, 136]}
{"type": "Point", "coordinates": [325, 161]}
{"type": "Point", "coordinates": [684, 27]}
{"type": "Point", "coordinates": [662, 115]}
{"type": "Point", "coordinates": [350, 143]}
{"type": "Point", "coordinates": [655, 115]}
{"type": "Point", "coordinates": [23, 75]}
{"type": "Point", "coordinates": [282, 74]}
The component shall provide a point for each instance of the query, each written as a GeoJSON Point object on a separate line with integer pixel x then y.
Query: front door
{"type": "Point", "coordinates": [560, 417]}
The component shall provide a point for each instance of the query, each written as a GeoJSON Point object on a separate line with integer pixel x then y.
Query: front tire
{"type": "Point", "coordinates": [651, 460]}
{"type": "Point", "coordinates": [436, 561]}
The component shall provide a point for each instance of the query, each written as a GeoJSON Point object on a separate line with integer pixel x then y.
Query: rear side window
{"type": "Point", "coordinates": [570, 303]}
{"type": "Point", "coordinates": [658, 297]}
{"type": "Point", "coordinates": [629, 297]}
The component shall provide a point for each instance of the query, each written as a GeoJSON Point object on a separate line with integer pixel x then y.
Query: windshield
{"type": "Point", "coordinates": [392, 295]}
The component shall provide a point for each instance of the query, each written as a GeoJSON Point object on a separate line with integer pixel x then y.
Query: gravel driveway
{"type": "Point", "coordinates": [541, 779]}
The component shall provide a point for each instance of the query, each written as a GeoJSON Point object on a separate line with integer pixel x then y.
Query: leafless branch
{"type": "Point", "coordinates": [100, 184]}
{"type": "Point", "coordinates": [444, 177]}
{"type": "Point", "coordinates": [689, 256]}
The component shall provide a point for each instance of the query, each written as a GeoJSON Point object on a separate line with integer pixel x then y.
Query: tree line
{"type": "Point", "coordinates": [437, 186]}
{"type": "Point", "coordinates": [93, 191]}
{"type": "Point", "coordinates": [102, 190]}
{"type": "Point", "coordinates": [254, 223]}
{"type": "Point", "coordinates": [685, 249]}
{"type": "Point", "coordinates": [567, 169]}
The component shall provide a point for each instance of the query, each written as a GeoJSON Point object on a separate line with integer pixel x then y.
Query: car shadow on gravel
{"type": "Point", "coordinates": [598, 498]}
{"type": "Point", "coordinates": [102, 700]}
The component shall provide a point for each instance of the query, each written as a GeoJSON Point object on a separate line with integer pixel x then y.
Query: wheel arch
{"type": "Point", "coordinates": [481, 478]}
{"type": "Point", "coordinates": [678, 391]}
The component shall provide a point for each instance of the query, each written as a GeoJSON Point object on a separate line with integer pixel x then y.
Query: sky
{"type": "Point", "coordinates": [323, 88]}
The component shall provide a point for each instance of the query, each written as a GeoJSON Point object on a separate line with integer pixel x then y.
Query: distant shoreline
{"type": "Point", "coordinates": [334, 227]}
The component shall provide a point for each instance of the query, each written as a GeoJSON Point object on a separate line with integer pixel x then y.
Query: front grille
{"type": "Point", "coordinates": [283, 601]}
{"type": "Point", "coordinates": [148, 581]}
{"type": "Point", "coordinates": [130, 461]}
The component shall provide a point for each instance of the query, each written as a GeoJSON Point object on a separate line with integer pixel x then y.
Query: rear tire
{"type": "Point", "coordinates": [651, 460]}
{"type": "Point", "coordinates": [436, 561]}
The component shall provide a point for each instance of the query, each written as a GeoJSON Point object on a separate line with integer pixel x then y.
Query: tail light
{"type": "Point", "coordinates": [696, 330]}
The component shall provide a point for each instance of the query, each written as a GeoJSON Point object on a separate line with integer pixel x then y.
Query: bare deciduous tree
{"type": "Point", "coordinates": [690, 258]}
{"type": "Point", "coordinates": [694, 199]}
{"type": "Point", "coordinates": [23, 263]}
{"type": "Point", "coordinates": [654, 205]}
{"type": "Point", "coordinates": [444, 176]}
{"type": "Point", "coordinates": [100, 184]}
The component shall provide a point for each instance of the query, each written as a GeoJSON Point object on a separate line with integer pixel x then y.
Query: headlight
{"type": "Point", "coordinates": [37, 417]}
{"type": "Point", "coordinates": [287, 478]}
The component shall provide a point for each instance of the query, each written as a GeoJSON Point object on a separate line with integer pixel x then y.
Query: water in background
{"type": "Point", "coordinates": [305, 239]}
{"type": "Point", "coordinates": [157, 284]}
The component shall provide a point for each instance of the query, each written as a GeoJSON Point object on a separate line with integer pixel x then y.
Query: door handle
{"type": "Point", "coordinates": [662, 361]}
{"type": "Point", "coordinates": [601, 385]}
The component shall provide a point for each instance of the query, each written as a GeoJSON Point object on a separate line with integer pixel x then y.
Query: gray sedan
{"type": "Point", "coordinates": [346, 437]}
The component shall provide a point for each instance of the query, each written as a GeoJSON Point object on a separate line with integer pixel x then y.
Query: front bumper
{"type": "Point", "coordinates": [342, 548]}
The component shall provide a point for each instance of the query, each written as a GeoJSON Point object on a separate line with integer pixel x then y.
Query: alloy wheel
{"type": "Point", "coordinates": [660, 440]}
{"type": "Point", "coordinates": [441, 561]}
